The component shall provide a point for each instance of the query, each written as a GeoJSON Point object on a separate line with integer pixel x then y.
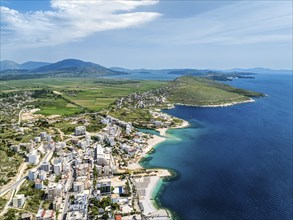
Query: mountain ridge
{"type": "Point", "coordinates": [63, 68]}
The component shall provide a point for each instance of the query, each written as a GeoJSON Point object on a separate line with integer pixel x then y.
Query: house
{"type": "Point", "coordinates": [26, 216]}
{"type": "Point", "coordinates": [44, 214]}
{"type": "Point", "coordinates": [115, 198]}
{"type": "Point", "coordinates": [118, 217]}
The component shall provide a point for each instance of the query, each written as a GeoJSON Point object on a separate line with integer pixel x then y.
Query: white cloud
{"type": "Point", "coordinates": [244, 22]}
{"type": "Point", "coordinates": [70, 21]}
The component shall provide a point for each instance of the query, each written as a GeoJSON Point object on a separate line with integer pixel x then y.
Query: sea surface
{"type": "Point", "coordinates": [233, 162]}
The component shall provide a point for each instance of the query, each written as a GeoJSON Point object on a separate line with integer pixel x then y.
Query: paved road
{"type": "Point", "coordinates": [15, 184]}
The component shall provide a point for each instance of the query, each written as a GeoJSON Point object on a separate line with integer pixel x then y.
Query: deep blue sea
{"type": "Point", "coordinates": [233, 162]}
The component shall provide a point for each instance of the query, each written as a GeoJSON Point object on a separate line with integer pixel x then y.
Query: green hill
{"type": "Point", "coordinates": [189, 90]}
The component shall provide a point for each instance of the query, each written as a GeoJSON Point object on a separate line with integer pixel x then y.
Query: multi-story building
{"type": "Point", "coordinates": [33, 157]}
{"type": "Point", "coordinates": [42, 175]}
{"type": "Point", "coordinates": [39, 184]}
{"type": "Point", "coordinates": [54, 190]}
{"type": "Point", "coordinates": [78, 187]}
{"type": "Point", "coordinates": [18, 201]}
{"type": "Point", "coordinates": [80, 130]}
{"type": "Point", "coordinates": [45, 166]}
{"type": "Point", "coordinates": [33, 174]}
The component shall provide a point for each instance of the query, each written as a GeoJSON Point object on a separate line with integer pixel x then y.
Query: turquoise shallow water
{"type": "Point", "coordinates": [234, 162]}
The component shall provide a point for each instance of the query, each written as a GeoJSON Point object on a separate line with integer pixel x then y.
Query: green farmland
{"type": "Point", "coordinates": [72, 95]}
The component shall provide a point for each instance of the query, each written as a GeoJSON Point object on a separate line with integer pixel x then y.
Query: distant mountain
{"type": "Point", "coordinates": [76, 67]}
{"type": "Point", "coordinates": [120, 69]}
{"type": "Point", "coordinates": [8, 64]}
{"type": "Point", "coordinates": [64, 68]}
{"type": "Point", "coordinates": [217, 75]}
{"type": "Point", "coordinates": [33, 65]}
{"type": "Point", "coordinates": [11, 65]}
{"type": "Point", "coordinates": [146, 71]}
{"type": "Point", "coordinates": [261, 70]}
{"type": "Point", "coordinates": [64, 64]}
{"type": "Point", "coordinates": [192, 72]}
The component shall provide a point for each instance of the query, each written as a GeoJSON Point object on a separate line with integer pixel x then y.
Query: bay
{"type": "Point", "coordinates": [233, 162]}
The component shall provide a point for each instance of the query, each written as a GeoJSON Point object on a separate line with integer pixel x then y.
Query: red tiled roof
{"type": "Point", "coordinates": [118, 217]}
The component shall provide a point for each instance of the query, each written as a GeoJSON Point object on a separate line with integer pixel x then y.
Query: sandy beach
{"type": "Point", "coordinates": [145, 187]}
{"type": "Point", "coordinates": [147, 184]}
{"type": "Point", "coordinates": [163, 131]}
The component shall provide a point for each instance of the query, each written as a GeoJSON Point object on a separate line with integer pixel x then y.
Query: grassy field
{"type": "Point", "coordinates": [2, 203]}
{"type": "Point", "coordinates": [136, 116]}
{"type": "Point", "coordinates": [93, 94]}
{"type": "Point", "coordinates": [58, 106]}
{"type": "Point", "coordinates": [9, 164]}
{"type": "Point", "coordinates": [35, 196]}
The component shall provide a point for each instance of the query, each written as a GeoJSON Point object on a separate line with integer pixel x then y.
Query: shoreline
{"type": "Point", "coordinates": [153, 209]}
{"type": "Point", "coordinates": [217, 105]}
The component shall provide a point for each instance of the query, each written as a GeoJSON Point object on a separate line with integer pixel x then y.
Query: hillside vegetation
{"type": "Point", "coordinates": [66, 96]}
{"type": "Point", "coordinates": [191, 90]}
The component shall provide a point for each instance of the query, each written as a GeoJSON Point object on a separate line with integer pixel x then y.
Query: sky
{"type": "Point", "coordinates": [150, 33]}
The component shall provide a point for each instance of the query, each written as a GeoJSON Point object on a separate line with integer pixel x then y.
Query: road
{"type": "Point", "coordinates": [16, 185]}
{"type": "Point", "coordinates": [19, 116]}
{"type": "Point", "coordinates": [61, 134]}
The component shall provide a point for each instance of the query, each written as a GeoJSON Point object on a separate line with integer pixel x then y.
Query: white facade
{"type": "Point", "coordinates": [39, 184]}
{"type": "Point", "coordinates": [43, 135]}
{"type": "Point", "coordinates": [18, 201]}
{"type": "Point", "coordinates": [33, 157]}
{"type": "Point", "coordinates": [80, 130]}
{"type": "Point", "coordinates": [54, 190]}
{"type": "Point", "coordinates": [46, 166]}
{"type": "Point", "coordinates": [33, 174]}
{"type": "Point", "coordinates": [37, 139]}
{"type": "Point", "coordinates": [78, 187]}
{"type": "Point", "coordinates": [42, 175]}
{"type": "Point", "coordinates": [58, 168]}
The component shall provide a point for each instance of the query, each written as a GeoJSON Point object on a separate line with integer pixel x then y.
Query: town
{"type": "Point", "coordinates": [84, 166]}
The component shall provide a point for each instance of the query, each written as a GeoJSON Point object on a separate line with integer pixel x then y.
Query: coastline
{"type": "Point", "coordinates": [151, 209]}
{"type": "Point", "coordinates": [218, 105]}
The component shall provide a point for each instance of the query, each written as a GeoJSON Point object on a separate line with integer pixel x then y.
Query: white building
{"type": "Point", "coordinates": [33, 174]}
{"type": "Point", "coordinates": [18, 201]}
{"type": "Point", "coordinates": [33, 157]}
{"type": "Point", "coordinates": [80, 130]}
{"type": "Point", "coordinates": [15, 148]}
{"type": "Point", "coordinates": [78, 187]}
{"type": "Point", "coordinates": [45, 166]}
{"type": "Point", "coordinates": [54, 190]}
{"type": "Point", "coordinates": [39, 184]}
{"type": "Point", "coordinates": [37, 139]}
{"type": "Point", "coordinates": [43, 135]}
{"type": "Point", "coordinates": [57, 168]}
{"type": "Point", "coordinates": [42, 175]}
{"type": "Point", "coordinates": [99, 155]}
{"type": "Point", "coordinates": [48, 138]}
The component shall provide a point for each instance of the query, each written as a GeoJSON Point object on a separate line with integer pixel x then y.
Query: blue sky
{"type": "Point", "coordinates": [150, 33]}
